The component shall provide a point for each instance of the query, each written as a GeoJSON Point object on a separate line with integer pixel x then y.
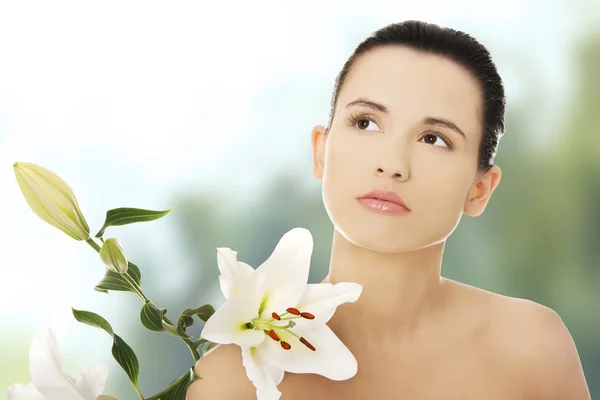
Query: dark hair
{"type": "Point", "coordinates": [457, 46]}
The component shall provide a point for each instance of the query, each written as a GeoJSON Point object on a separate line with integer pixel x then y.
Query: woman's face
{"type": "Point", "coordinates": [367, 148]}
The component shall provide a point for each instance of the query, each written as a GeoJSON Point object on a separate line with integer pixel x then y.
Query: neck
{"type": "Point", "coordinates": [402, 292]}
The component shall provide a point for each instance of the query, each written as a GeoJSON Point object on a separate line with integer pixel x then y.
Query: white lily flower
{"type": "Point", "coordinates": [49, 382]}
{"type": "Point", "coordinates": [278, 319]}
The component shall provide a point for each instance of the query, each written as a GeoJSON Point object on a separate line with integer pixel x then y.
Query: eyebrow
{"type": "Point", "coordinates": [427, 120]}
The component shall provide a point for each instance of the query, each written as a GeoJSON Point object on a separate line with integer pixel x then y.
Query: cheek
{"type": "Point", "coordinates": [344, 164]}
{"type": "Point", "coordinates": [442, 200]}
{"type": "Point", "coordinates": [343, 161]}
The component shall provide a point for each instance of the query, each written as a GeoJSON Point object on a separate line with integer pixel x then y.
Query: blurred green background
{"type": "Point", "coordinates": [209, 109]}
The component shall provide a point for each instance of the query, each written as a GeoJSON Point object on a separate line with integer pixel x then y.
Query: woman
{"type": "Point", "coordinates": [416, 118]}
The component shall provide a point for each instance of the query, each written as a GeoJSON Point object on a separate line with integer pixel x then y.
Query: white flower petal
{"type": "Point", "coordinates": [46, 371]}
{"type": "Point", "coordinates": [227, 324]}
{"type": "Point", "coordinates": [332, 358]}
{"type": "Point", "coordinates": [106, 397]}
{"type": "Point", "coordinates": [92, 382]}
{"type": "Point", "coordinates": [265, 377]}
{"type": "Point", "coordinates": [322, 299]}
{"type": "Point", "coordinates": [233, 272]}
{"type": "Point", "coordinates": [283, 276]}
{"type": "Point", "coordinates": [20, 392]}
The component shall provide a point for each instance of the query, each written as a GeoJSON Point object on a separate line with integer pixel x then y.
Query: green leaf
{"type": "Point", "coordinates": [93, 319]}
{"type": "Point", "coordinates": [152, 317]}
{"type": "Point", "coordinates": [126, 359]}
{"type": "Point", "coordinates": [203, 312]}
{"type": "Point", "coordinates": [121, 351]}
{"type": "Point", "coordinates": [181, 328]}
{"type": "Point", "coordinates": [171, 329]}
{"type": "Point", "coordinates": [115, 281]}
{"type": "Point", "coordinates": [177, 389]}
{"type": "Point", "coordinates": [187, 321]}
{"type": "Point", "coordinates": [180, 390]}
{"type": "Point", "coordinates": [208, 346]}
{"type": "Point", "coordinates": [134, 272]}
{"type": "Point", "coordinates": [197, 343]}
{"type": "Point", "coordinates": [124, 216]}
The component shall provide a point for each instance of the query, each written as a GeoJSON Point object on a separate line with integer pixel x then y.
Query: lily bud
{"type": "Point", "coordinates": [51, 199]}
{"type": "Point", "coordinates": [113, 256]}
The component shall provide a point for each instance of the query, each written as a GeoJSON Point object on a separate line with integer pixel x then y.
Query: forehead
{"type": "Point", "coordinates": [414, 84]}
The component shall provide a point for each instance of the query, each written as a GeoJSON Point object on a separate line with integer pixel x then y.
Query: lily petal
{"type": "Point", "coordinates": [331, 358]}
{"type": "Point", "coordinates": [283, 276]}
{"type": "Point", "coordinates": [233, 272]}
{"type": "Point", "coordinates": [21, 392]}
{"type": "Point", "coordinates": [322, 299]}
{"type": "Point", "coordinates": [92, 382]}
{"type": "Point", "coordinates": [265, 377]}
{"type": "Point", "coordinates": [227, 324]}
{"type": "Point", "coordinates": [45, 368]}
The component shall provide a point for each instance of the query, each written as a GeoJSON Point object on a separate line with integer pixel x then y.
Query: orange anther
{"type": "Point", "coordinates": [307, 344]}
{"type": "Point", "coordinates": [307, 315]}
{"type": "Point", "coordinates": [293, 310]}
{"type": "Point", "coordinates": [273, 335]}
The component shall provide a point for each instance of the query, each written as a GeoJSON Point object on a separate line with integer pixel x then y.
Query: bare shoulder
{"type": "Point", "coordinates": [534, 345]}
{"type": "Point", "coordinates": [223, 376]}
{"type": "Point", "coordinates": [523, 342]}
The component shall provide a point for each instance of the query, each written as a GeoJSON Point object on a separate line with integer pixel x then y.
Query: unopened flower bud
{"type": "Point", "coordinates": [113, 256]}
{"type": "Point", "coordinates": [51, 199]}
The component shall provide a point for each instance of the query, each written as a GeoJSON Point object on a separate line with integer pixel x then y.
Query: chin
{"type": "Point", "coordinates": [373, 236]}
{"type": "Point", "coordinates": [382, 243]}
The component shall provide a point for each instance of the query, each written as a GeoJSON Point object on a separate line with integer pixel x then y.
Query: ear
{"type": "Point", "coordinates": [318, 146]}
{"type": "Point", "coordinates": [481, 192]}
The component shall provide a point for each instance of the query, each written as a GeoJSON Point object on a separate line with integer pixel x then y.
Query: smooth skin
{"type": "Point", "coordinates": [415, 334]}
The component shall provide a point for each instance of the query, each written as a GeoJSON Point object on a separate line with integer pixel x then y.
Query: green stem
{"type": "Point", "coordinates": [138, 392]}
{"type": "Point", "coordinates": [94, 245]}
{"type": "Point", "coordinates": [138, 290]}
{"type": "Point", "coordinates": [188, 342]}
{"type": "Point", "coordinates": [135, 286]}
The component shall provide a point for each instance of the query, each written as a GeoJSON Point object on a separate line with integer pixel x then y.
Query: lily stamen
{"type": "Point", "coordinates": [293, 310]}
{"type": "Point", "coordinates": [307, 344]}
{"type": "Point", "coordinates": [290, 318]}
{"type": "Point", "coordinates": [269, 326]}
{"type": "Point", "coordinates": [285, 345]}
{"type": "Point", "coordinates": [273, 335]}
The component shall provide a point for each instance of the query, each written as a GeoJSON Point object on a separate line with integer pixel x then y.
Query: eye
{"type": "Point", "coordinates": [438, 135]}
{"type": "Point", "coordinates": [362, 121]}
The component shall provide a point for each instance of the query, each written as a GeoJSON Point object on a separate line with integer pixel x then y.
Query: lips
{"type": "Point", "coordinates": [385, 195]}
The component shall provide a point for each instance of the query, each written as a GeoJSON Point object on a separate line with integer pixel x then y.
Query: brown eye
{"type": "Point", "coordinates": [363, 122]}
{"type": "Point", "coordinates": [432, 138]}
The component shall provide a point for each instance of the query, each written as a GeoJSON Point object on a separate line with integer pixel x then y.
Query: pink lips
{"type": "Point", "coordinates": [384, 201]}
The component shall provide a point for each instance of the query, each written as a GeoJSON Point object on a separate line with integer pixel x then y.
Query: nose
{"type": "Point", "coordinates": [399, 176]}
{"type": "Point", "coordinates": [397, 170]}
{"type": "Point", "coordinates": [393, 160]}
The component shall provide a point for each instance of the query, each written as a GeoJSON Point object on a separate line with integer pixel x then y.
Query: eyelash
{"type": "Point", "coordinates": [354, 118]}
